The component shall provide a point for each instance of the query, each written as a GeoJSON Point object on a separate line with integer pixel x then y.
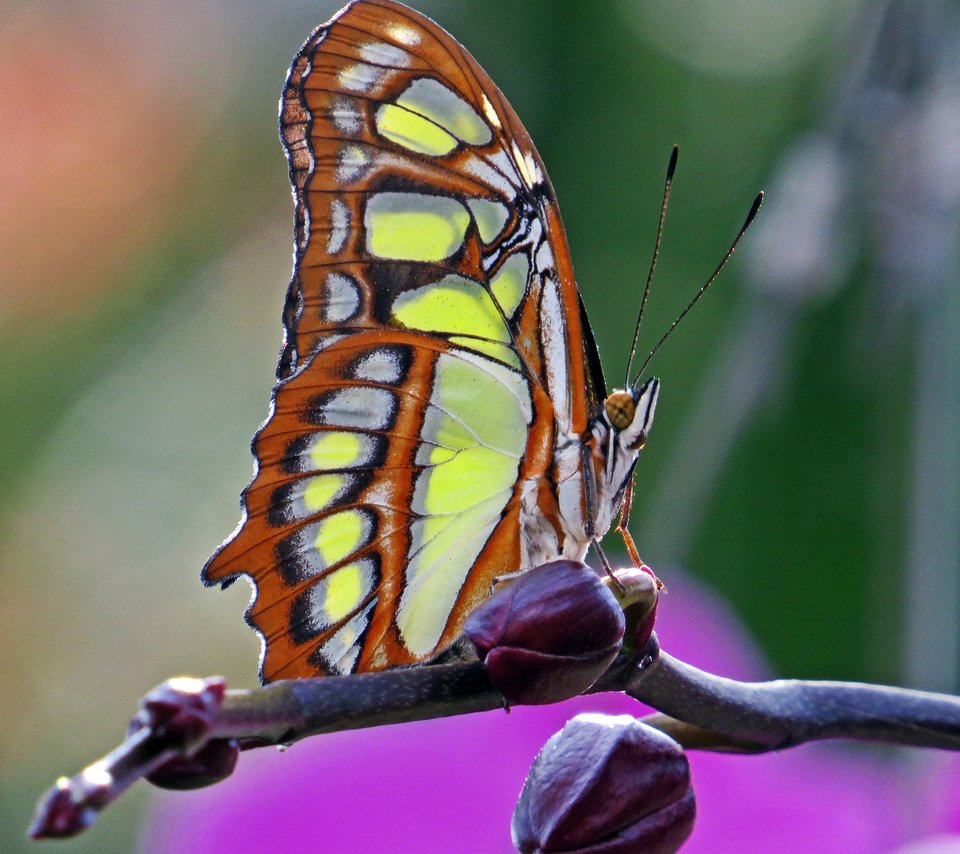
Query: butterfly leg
{"type": "Point", "coordinates": [624, 531]}
{"type": "Point", "coordinates": [499, 580]}
{"type": "Point", "coordinates": [622, 526]}
{"type": "Point", "coordinates": [608, 568]}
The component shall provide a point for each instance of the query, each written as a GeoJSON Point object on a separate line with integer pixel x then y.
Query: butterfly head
{"type": "Point", "coordinates": [629, 414]}
{"type": "Point", "coordinates": [618, 437]}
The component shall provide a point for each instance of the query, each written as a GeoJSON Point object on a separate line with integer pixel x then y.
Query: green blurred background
{"type": "Point", "coordinates": [806, 455]}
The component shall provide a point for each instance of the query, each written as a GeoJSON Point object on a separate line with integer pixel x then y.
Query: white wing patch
{"type": "Point", "coordinates": [357, 406]}
{"type": "Point", "coordinates": [385, 54]}
{"type": "Point", "coordinates": [341, 298]}
{"type": "Point", "coordinates": [339, 227]}
{"type": "Point", "coordinates": [554, 343]}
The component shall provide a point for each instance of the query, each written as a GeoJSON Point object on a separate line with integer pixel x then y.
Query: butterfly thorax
{"type": "Point", "coordinates": [555, 509]}
{"type": "Point", "coordinates": [578, 500]}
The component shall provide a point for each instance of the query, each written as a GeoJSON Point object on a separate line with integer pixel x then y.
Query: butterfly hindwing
{"type": "Point", "coordinates": [434, 346]}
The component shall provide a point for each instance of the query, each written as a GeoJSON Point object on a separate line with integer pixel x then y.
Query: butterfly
{"type": "Point", "coordinates": [440, 420]}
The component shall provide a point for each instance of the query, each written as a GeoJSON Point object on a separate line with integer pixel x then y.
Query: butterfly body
{"type": "Point", "coordinates": [440, 419]}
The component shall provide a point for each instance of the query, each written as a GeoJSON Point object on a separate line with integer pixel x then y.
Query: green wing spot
{"type": "Point", "coordinates": [454, 305]}
{"type": "Point", "coordinates": [491, 400]}
{"type": "Point", "coordinates": [436, 102]}
{"type": "Point", "coordinates": [339, 535]}
{"type": "Point", "coordinates": [491, 217]}
{"type": "Point", "coordinates": [414, 226]}
{"type": "Point", "coordinates": [344, 592]}
{"type": "Point", "coordinates": [510, 283]}
{"type": "Point", "coordinates": [321, 490]}
{"type": "Point", "coordinates": [335, 450]}
{"type": "Point", "coordinates": [468, 478]}
{"type": "Point", "coordinates": [413, 131]}
{"type": "Point", "coordinates": [474, 433]}
{"type": "Point", "coordinates": [443, 437]}
{"type": "Point", "coordinates": [437, 571]}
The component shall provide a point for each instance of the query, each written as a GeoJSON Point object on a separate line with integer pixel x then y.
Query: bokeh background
{"type": "Point", "coordinates": [805, 463]}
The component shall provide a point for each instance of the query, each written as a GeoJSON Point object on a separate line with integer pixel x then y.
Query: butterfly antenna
{"type": "Point", "coordinates": [733, 246]}
{"type": "Point", "coordinates": [671, 168]}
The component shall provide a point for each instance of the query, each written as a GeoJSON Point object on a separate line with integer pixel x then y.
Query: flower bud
{"type": "Point", "coordinates": [549, 635]}
{"type": "Point", "coordinates": [181, 711]}
{"type": "Point", "coordinates": [605, 785]}
{"type": "Point", "coordinates": [213, 762]}
{"type": "Point", "coordinates": [58, 815]}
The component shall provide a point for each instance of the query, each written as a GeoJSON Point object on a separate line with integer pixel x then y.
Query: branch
{"type": "Point", "coordinates": [287, 711]}
{"type": "Point", "coordinates": [699, 710]}
{"type": "Point", "coordinates": [708, 712]}
{"type": "Point", "coordinates": [181, 717]}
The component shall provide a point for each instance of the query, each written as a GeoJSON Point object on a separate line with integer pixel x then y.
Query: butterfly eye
{"type": "Point", "coordinates": [620, 409]}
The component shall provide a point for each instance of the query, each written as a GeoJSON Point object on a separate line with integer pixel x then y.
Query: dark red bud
{"type": "Point", "coordinates": [58, 816]}
{"type": "Point", "coordinates": [180, 713]}
{"type": "Point", "coordinates": [606, 785]}
{"type": "Point", "coordinates": [181, 710]}
{"type": "Point", "coordinates": [213, 762]}
{"type": "Point", "coordinates": [549, 635]}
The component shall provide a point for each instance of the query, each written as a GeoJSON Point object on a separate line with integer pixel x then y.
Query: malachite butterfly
{"type": "Point", "coordinates": [440, 419]}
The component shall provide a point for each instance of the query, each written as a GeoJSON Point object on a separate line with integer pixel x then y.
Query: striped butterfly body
{"type": "Point", "coordinates": [440, 419]}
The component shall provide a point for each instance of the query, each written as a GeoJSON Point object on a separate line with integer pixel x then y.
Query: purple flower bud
{"type": "Point", "coordinates": [181, 710]}
{"type": "Point", "coordinates": [549, 635]}
{"type": "Point", "coordinates": [58, 816]}
{"type": "Point", "coordinates": [212, 763]}
{"type": "Point", "coordinates": [605, 785]}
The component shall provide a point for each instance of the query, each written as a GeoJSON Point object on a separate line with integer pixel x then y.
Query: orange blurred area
{"type": "Point", "coordinates": [94, 132]}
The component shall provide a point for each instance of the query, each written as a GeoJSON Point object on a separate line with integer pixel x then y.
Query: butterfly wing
{"type": "Point", "coordinates": [435, 346]}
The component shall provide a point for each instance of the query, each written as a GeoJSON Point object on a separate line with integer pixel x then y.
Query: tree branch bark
{"type": "Point", "coordinates": [698, 709]}
{"type": "Point", "coordinates": [703, 711]}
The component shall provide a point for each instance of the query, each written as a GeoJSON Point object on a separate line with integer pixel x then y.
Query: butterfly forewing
{"type": "Point", "coordinates": [433, 349]}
